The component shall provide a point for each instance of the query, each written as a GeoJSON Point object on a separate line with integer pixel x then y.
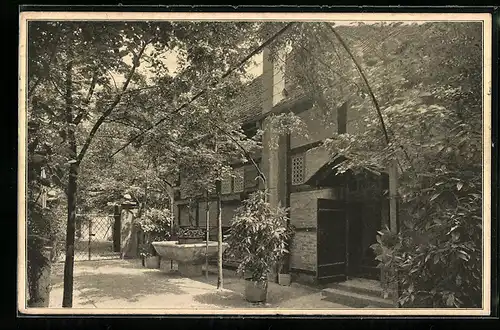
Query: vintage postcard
{"type": "Point", "coordinates": [254, 163]}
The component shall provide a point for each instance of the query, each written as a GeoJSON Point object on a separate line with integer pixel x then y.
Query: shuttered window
{"type": "Point", "coordinates": [297, 163]}
{"type": "Point", "coordinates": [226, 184]}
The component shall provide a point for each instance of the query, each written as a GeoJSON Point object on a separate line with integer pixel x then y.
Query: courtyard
{"type": "Point", "coordinates": [126, 284]}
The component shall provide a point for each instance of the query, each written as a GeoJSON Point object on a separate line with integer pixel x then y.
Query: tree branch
{"type": "Point", "coordinates": [214, 84]}
{"type": "Point", "coordinates": [361, 72]}
{"type": "Point", "coordinates": [55, 87]}
{"type": "Point", "coordinates": [370, 91]}
{"type": "Point", "coordinates": [83, 111]}
{"type": "Point", "coordinates": [245, 152]}
{"type": "Point", "coordinates": [108, 111]}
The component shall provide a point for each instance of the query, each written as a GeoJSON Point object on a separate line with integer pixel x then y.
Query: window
{"type": "Point", "coordinates": [226, 185]}
{"type": "Point", "coordinates": [239, 179]}
{"type": "Point", "coordinates": [297, 169]}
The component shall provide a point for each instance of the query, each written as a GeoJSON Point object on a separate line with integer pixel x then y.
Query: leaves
{"type": "Point", "coordinates": [258, 236]}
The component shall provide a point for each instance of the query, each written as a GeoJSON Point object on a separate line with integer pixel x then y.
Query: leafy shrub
{"type": "Point", "coordinates": [437, 260]}
{"type": "Point", "coordinates": [258, 237]}
{"type": "Point", "coordinates": [156, 224]}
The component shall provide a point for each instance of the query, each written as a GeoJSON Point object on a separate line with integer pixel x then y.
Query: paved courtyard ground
{"type": "Point", "coordinates": [127, 284]}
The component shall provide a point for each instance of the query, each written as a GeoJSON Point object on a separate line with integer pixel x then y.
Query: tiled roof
{"type": "Point", "coordinates": [248, 103]}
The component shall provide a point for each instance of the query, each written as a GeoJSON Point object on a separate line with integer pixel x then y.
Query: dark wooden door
{"type": "Point", "coordinates": [331, 241]}
{"type": "Point", "coordinates": [371, 224]}
{"type": "Point", "coordinates": [355, 238]}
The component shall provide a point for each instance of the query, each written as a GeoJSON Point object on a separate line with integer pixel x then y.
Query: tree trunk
{"type": "Point", "coordinates": [71, 191]}
{"type": "Point", "coordinates": [70, 238]}
{"type": "Point", "coordinates": [219, 235]}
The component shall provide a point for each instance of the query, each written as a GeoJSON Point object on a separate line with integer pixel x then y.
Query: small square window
{"type": "Point", "coordinates": [239, 183]}
{"type": "Point", "coordinates": [297, 169]}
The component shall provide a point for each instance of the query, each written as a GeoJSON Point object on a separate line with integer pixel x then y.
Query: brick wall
{"type": "Point", "coordinates": [303, 214]}
{"type": "Point", "coordinates": [303, 250]}
{"type": "Point", "coordinates": [303, 206]}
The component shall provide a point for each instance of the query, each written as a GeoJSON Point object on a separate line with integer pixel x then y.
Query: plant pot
{"type": "Point", "coordinates": [284, 279]}
{"type": "Point", "coordinates": [255, 291]}
{"type": "Point", "coordinates": [190, 240]}
{"type": "Point", "coordinates": [152, 262]}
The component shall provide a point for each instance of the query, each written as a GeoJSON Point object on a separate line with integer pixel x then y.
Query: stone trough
{"type": "Point", "coordinates": [189, 257]}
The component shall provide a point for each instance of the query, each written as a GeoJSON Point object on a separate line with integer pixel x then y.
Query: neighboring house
{"type": "Point", "coordinates": [336, 217]}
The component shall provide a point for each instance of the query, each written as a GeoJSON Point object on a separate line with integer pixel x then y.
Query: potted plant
{"type": "Point", "coordinates": [284, 276]}
{"type": "Point", "coordinates": [257, 238]}
{"type": "Point", "coordinates": [190, 235]}
{"type": "Point", "coordinates": [156, 225]}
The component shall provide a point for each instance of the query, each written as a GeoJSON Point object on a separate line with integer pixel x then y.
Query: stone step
{"type": "Point", "coordinates": [361, 286]}
{"type": "Point", "coordinates": [357, 300]}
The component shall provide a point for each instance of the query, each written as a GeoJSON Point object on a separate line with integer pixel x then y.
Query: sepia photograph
{"type": "Point", "coordinates": [254, 163]}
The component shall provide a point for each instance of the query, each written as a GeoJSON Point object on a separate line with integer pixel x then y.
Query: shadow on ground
{"type": "Point", "coordinates": [121, 286]}
{"type": "Point", "coordinates": [223, 299]}
{"type": "Point", "coordinates": [118, 282]}
{"type": "Point", "coordinates": [233, 294]}
{"type": "Point", "coordinates": [103, 280]}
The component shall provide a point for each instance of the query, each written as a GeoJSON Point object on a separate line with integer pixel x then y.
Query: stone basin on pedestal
{"type": "Point", "coordinates": [190, 257]}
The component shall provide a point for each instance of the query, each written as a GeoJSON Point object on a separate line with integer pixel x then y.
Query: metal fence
{"type": "Point", "coordinates": [93, 238]}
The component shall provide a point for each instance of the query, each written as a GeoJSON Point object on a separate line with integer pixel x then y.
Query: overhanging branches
{"type": "Point", "coordinates": [203, 91]}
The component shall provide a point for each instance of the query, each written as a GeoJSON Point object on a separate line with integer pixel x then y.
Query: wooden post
{"type": "Point", "coordinates": [219, 228]}
{"type": "Point", "coordinates": [172, 210]}
{"type": "Point", "coordinates": [207, 236]}
{"type": "Point", "coordinates": [90, 237]}
{"type": "Point", "coordinates": [117, 228]}
{"type": "Point", "coordinates": [219, 235]}
{"type": "Point", "coordinates": [393, 196]}
{"type": "Point", "coordinates": [393, 222]}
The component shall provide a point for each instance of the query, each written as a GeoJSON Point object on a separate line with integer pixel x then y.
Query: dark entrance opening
{"type": "Point", "coordinates": [346, 228]}
{"type": "Point", "coordinates": [344, 237]}
{"type": "Point", "coordinates": [363, 223]}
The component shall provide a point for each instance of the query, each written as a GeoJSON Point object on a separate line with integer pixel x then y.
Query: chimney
{"type": "Point", "coordinates": [273, 162]}
{"type": "Point", "coordinates": [273, 79]}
